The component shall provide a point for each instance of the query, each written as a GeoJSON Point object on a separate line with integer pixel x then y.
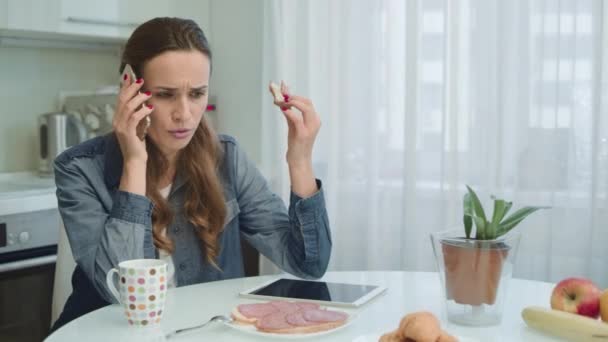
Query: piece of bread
{"type": "Point", "coordinates": [240, 319]}
{"type": "Point", "coordinates": [276, 93]}
{"type": "Point", "coordinates": [304, 330]}
{"type": "Point", "coordinates": [393, 336]}
{"type": "Point", "coordinates": [445, 337]}
{"type": "Point", "coordinates": [280, 95]}
{"type": "Point", "coordinates": [418, 327]}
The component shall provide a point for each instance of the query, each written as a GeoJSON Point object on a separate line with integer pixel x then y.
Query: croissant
{"type": "Point", "coordinates": [418, 327]}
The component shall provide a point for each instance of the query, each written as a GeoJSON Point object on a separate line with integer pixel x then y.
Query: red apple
{"type": "Point", "coordinates": [577, 295]}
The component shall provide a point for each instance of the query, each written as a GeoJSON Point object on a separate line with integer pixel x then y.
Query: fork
{"type": "Point", "coordinates": [218, 318]}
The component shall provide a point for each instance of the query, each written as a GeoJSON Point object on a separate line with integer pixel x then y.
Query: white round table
{"type": "Point", "coordinates": [407, 292]}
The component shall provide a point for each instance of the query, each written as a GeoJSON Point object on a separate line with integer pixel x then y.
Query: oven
{"type": "Point", "coordinates": [29, 231]}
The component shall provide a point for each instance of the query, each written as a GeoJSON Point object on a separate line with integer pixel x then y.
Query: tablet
{"type": "Point", "coordinates": [338, 294]}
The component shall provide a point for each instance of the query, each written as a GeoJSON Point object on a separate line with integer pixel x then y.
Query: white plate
{"type": "Point", "coordinates": [251, 329]}
{"type": "Point", "coordinates": [376, 336]}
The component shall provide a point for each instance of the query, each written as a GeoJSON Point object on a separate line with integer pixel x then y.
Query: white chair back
{"type": "Point", "coordinates": [62, 286]}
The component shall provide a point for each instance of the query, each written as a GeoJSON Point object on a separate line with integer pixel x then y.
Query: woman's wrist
{"type": "Point", "coordinates": [133, 178]}
{"type": "Point", "coordinates": [303, 182]}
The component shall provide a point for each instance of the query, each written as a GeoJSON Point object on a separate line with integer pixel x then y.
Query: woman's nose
{"type": "Point", "coordinates": [181, 111]}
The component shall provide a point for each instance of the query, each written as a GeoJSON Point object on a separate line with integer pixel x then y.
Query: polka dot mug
{"type": "Point", "coordinates": [142, 289]}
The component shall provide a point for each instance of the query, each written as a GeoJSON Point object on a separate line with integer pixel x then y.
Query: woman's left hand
{"type": "Point", "coordinates": [304, 124]}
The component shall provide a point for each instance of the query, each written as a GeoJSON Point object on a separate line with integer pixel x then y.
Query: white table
{"type": "Point", "coordinates": [407, 292]}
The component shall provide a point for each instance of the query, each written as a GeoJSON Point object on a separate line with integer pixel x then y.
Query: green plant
{"type": "Point", "coordinates": [499, 225]}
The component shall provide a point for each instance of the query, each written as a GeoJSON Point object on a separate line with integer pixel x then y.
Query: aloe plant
{"type": "Point", "coordinates": [499, 224]}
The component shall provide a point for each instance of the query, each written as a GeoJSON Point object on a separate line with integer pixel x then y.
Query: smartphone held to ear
{"type": "Point", "coordinates": [142, 126]}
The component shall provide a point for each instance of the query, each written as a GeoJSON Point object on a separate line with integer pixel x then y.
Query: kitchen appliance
{"type": "Point", "coordinates": [57, 132]}
{"type": "Point", "coordinates": [94, 109]}
{"type": "Point", "coordinates": [29, 232]}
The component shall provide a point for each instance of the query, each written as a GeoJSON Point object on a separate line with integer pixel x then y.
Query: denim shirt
{"type": "Point", "coordinates": [105, 225]}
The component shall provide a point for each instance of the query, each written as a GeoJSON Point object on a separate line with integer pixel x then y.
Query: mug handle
{"type": "Point", "coordinates": [110, 283]}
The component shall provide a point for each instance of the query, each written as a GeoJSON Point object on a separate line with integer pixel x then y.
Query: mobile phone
{"type": "Point", "coordinates": [142, 126]}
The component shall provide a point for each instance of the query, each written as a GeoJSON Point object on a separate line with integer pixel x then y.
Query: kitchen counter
{"type": "Point", "coordinates": [25, 192]}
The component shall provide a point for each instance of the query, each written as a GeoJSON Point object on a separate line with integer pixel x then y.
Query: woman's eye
{"type": "Point", "coordinates": [163, 95]}
{"type": "Point", "coordinates": [198, 94]}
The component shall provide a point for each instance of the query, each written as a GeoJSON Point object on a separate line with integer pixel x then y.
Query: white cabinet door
{"type": "Point", "coordinates": [112, 19]}
{"type": "Point", "coordinates": [115, 18]}
{"type": "Point", "coordinates": [96, 18]}
{"type": "Point", "coordinates": [143, 10]}
{"type": "Point", "coordinates": [197, 10]}
{"type": "Point", "coordinates": [140, 11]}
{"type": "Point", "coordinates": [30, 15]}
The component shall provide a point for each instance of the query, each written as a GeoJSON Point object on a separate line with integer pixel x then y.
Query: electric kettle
{"type": "Point", "coordinates": [57, 132]}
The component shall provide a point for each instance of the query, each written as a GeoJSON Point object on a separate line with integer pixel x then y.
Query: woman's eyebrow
{"type": "Point", "coordinates": [174, 88]}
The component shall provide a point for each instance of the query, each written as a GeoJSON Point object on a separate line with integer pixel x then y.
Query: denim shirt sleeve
{"type": "Point", "coordinates": [99, 238]}
{"type": "Point", "coordinates": [297, 240]}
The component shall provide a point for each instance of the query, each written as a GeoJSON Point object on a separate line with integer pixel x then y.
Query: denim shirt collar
{"type": "Point", "coordinates": [113, 164]}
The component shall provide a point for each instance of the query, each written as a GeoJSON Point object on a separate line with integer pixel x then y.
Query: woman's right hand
{"type": "Point", "coordinates": [130, 110]}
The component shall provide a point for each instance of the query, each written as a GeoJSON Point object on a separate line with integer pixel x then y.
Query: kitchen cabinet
{"type": "Point", "coordinates": [111, 20]}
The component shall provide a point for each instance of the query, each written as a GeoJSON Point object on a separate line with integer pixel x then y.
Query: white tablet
{"type": "Point", "coordinates": [337, 294]}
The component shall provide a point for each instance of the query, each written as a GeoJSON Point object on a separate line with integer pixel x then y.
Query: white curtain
{"type": "Point", "coordinates": [420, 97]}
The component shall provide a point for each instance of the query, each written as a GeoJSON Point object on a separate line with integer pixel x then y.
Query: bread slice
{"type": "Point", "coordinates": [240, 319]}
{"type": "Point", "coordinates": [276, 93]}
{"type": "Point", "coordinates": [304, 330]}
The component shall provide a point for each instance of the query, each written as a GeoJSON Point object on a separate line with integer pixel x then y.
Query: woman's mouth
{"type": "Point", "coordinates": [181, 133]}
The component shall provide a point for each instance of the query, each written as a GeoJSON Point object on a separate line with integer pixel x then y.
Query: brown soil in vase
{"type": "Point", "coordinates": [473, 270]}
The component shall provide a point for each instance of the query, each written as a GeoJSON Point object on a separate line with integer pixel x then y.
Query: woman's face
{"type": "Point", "coordinates": [179, 82]}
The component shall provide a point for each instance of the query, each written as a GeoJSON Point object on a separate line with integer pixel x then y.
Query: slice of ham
{"type": "Point", "coordinates": [287, 307]}
{"type": "Point", "coordinates": [323, 316]}
{"type": "Point", "coordinates": [306, 305]}
{"type": "Point", "coordinates": [297, 319]}
{"type": "Point", "coordinates": [285, 317]}
{"type": "Point", "coordinates": [257, 310]}
{"type": "Point", "coordinates": [274, 321]}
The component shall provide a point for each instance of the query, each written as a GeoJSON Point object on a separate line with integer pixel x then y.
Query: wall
{"type": "Point", "coordinates": [237, 70]}
{"type": "Point", "coordinates": [29, 86]}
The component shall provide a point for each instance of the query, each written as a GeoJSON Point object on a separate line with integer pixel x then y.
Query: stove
{"type": "Point", "coordinates": [29, 233]}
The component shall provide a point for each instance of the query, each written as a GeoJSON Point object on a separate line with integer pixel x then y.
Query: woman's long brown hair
{"type": "Point", "coordinates": [199, 161]}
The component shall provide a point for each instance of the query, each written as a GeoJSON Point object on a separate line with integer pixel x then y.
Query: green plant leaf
{"type": "Point", "coordinates": [478, 215]}
{"type": "Point", "coordinates": [508, 206]}
{"type": "Point", "coordinates": [477, 207]}
{"type": "Point", "coordinates": [501, 207]}
{"type": "Point", "coordinates": [480, 224]}
{"type": "Point", "coordinates": [490, 232]}
{"type": "Point", "coordinates": [515, 218]}
{"type": "Point", "coordinates": [468, 213]}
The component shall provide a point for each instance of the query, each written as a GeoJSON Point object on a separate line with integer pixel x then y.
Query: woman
{"type": "Point", "coordinates": [183, 193]}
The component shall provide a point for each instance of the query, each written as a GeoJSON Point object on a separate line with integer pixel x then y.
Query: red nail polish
{"type": "Point", "coordinates": [149, 106]}
{"type": "Point", "coordinates": [124, 77]}
{"type": "Point", "coordinates": [148, 93]}
{"type": "Point", "coordinates": [284, 108]}
{"type": "Point", "coordinates": [139, 80]}
{"type": "Point", "coordinates": [286, 98]}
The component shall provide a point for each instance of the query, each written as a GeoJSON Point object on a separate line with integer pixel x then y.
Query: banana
{"type": "Point", "coordinates": [566, 325]}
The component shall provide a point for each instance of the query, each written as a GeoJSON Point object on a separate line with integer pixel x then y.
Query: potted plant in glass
{"type": "Point", "coordinates": [475, 268]}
